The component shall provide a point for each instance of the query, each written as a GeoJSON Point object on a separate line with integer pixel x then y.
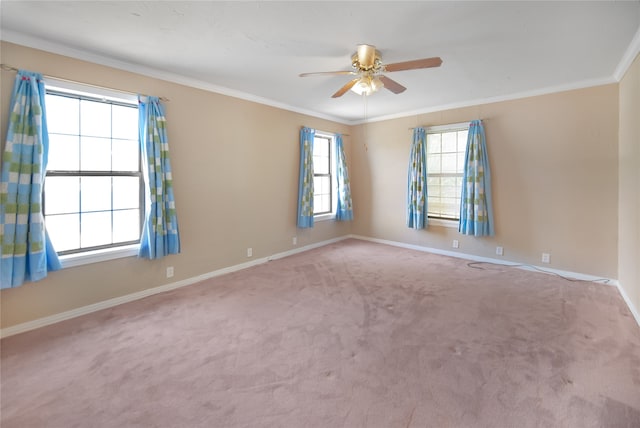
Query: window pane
{"type": "Point", "coordinates": [462, 140]}
{"type": "Point", "coordinates": [125, 122]}
{"type": "Point", "coordinates": [461, 157]}
{"type": "Point", "coordinates": [95, 229]}
{"type": "Point", "coordinates": [64, 152]}
{"type": "Point", "coordinates": [449, 142]}
{"type": "Point", "coordinates": [321, 147]}
{"type": "Point", "coordinates": [95, 194]}
{"type": "Point", "coordinates": [63, 115]}
{"type": "Point", "coordinates": [321, 159]}
{"type": "Point", "coordinates": [448, 181]}
{"type": "Point", "coordinates": [326, 203]}
{"type": "Point", "coordinates": [433, 187]}
{"type": "Point", "coordinates": [61, 195]}
{"type": "Point", "coordinates": [449, 191]}
{"type": "Point", "coordinates": [95, 154]}
{"type": "Point", "coordinates": [451, 207]}
{"type": "Point", "coordinates": [433, 164]}
{"type": "Point", "coordinates": [125, 155]}
{"type": "Point", "coordinates": [433, 143]}
{"type": "Point", "coordinates": [126, 192]}
{"type": "Point", "coordinates": [126, 225]}
{"type": "Point", "coordinates": [322, 195]}
{"type": "Point", "coordinates": [64, 231]}
{"type": "Point", "coordinates": [320, 165]}
{"type": "Point", "coordinates": [95, 118]}
{"type": "Point", "coordinates": [321, 204]}
{"type": "Point", "coordinates": [317, 185]}
{"type": "Point", "coordinates": [449, 162]}
{"type": "Point", "coordinates": [434, 206]}
{"type": "Point", "coordinates": [325, 186]}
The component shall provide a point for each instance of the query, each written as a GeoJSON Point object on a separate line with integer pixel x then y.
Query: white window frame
{"type": "Point", "coordinates": [104, 254]}
{"type": "Point", "coordinates": [334, 184]}
{"type": "Point", "coordinates": [437, 129]}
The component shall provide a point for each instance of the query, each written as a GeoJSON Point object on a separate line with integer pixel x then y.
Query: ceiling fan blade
{"type": "Point", "coordinates": [392, 85]}
{"type": "Point", "coordinates": [345, 88]}
{"type": "Point", "coordinates": [336, 73]}
{"type": "Point", "coordinates": [415, 64]}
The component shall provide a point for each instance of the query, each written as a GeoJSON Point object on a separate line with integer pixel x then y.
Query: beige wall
{"type": "Point", "coordinates": [235, 168]}
{"type": "Point", "coordinates": [554, 172]}
{"type": "Point", "coordinates": [554, 162]}
{"type": "Point", "coordinates": [629, 185]}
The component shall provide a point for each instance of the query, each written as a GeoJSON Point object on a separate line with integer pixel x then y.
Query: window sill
{"type": "Point", "coordinates": [71, 260]}
{"type": "Point", "coordinates": [325, 217]}
{"type": "Point", "coordinates": [452, 224]}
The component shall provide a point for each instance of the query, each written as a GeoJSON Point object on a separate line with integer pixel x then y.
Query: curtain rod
{"type": "Point", "coordinates": [327, 132]}
{"type": "Point", "coordinates": [446, 124]}
{"type": "Point", "coordinates": [11, 68]}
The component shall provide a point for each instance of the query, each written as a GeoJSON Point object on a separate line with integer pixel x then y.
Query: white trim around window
{"type": "Point", "coordinates": [96, 256]}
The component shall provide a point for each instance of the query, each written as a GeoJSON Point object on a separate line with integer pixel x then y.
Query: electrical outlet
{"type": "Point", "coordinates": [295, 240]}
{"type": "Point", "coordinates": [499, 251]}
{"type": "Point", "coordinates": [456, 244]}
{"type": "Point", "coordinates": [170, 272]}
{"type": "Point", "coordinates": [249, 252]}
{"type": "Point", "coordinates": [546, 258]}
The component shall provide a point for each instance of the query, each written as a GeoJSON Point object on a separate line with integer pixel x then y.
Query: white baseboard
{"type": "Point", "coordinates": [84, 310]}
{"type": "Point", "coordinates": [567, 274]}
{"type": "Point", "coordinates": [630, 305]}
{"type": "Point", "coordinates": [52, 319]}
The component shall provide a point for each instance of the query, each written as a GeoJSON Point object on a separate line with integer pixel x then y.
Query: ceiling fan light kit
{"type": "Point", "coordinates": [367, 64]}
{"type": "Point", "coordinates": [367, 85]}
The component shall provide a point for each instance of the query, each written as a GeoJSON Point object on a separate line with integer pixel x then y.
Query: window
{"type": "Point", "coordinates": [446, 147]}
{"type": "Point", "coordinates": [94, 189]}
{"type": "Point", "coordinates": [323, 176]}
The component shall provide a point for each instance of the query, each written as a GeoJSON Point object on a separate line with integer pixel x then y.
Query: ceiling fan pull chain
{"type": "Point", "coordinates": [366, 107]}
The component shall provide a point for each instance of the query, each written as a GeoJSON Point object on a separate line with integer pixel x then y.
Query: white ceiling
{"type": "Point", "coordinates": [255, 50]}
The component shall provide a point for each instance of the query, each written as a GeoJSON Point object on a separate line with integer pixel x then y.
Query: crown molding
{"type": "Point", "coordinates": [510, 97]}
{"type": "Point", "coordinates": [629, 56]}
{"type": "Point", "coordinates": [48, 46]}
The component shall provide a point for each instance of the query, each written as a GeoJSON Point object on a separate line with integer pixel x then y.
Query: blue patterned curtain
{"type": "Point", "coordinates": [344, 210]}
{"type": "Point", "coordinates": [160, 232]}
{"type": "Point", "coordinates": [417, 181]}
{"type": "Point", "coordinates": [27, 253]}
{"type": "Point", "coordinates": [476, 215]}
{"type": "Point", "coordinates": [305, 183]}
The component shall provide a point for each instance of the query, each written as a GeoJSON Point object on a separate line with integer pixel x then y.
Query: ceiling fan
{"type": "Point", "coordinates": [367, 65]}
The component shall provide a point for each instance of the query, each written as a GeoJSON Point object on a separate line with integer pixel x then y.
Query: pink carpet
{"type": "Point", "coordinates": [353, 334]}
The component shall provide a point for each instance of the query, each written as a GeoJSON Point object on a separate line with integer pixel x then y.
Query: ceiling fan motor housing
{"type": "Point", "coordinates": [366, 58]}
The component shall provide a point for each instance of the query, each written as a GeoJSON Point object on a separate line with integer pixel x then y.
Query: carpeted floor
{"type": "Point", "coordinates": [353, 334]}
